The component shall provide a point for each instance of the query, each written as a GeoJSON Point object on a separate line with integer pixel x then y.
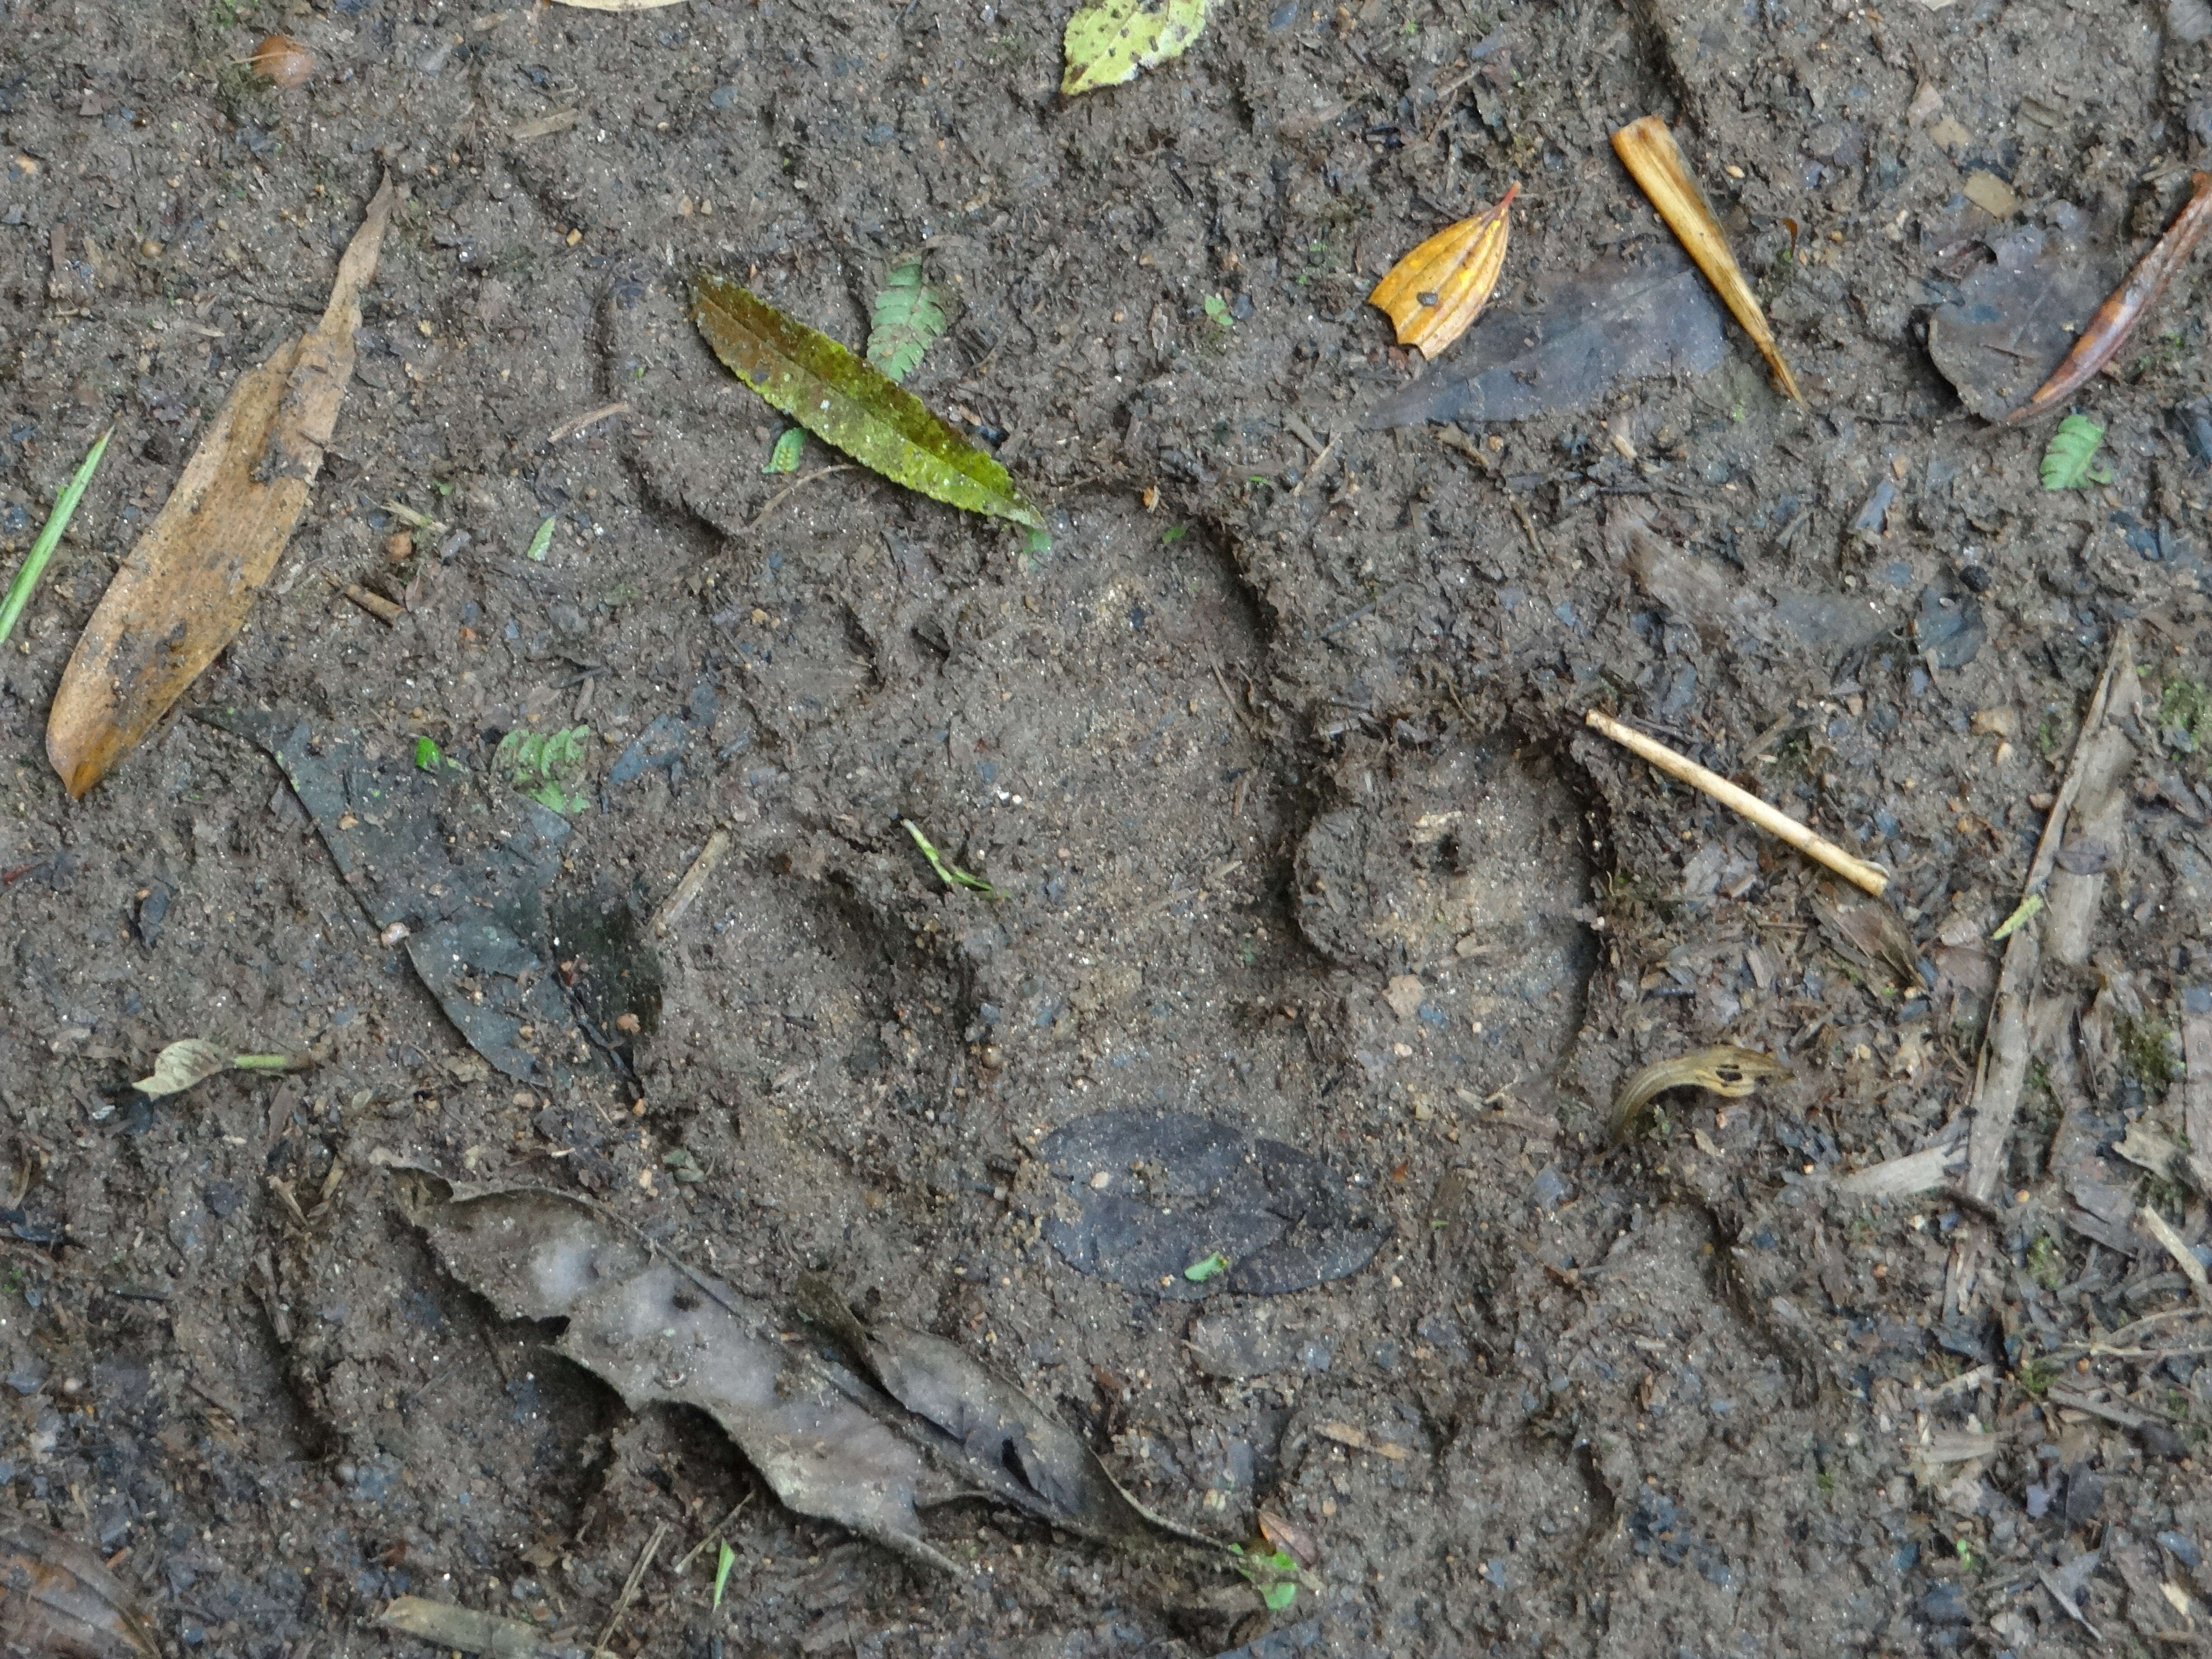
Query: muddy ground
{"type": "Point", "coordinates": [1281, 769]}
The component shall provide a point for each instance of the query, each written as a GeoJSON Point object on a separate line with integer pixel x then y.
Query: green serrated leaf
{"type": "Point", "coordinates": [2070, 462]}
{"type": "Point", "coordinates": [784, 458]}
{"type": "Point", "coordinates": [908, 317]}
{"type": "Point", "coordinates": [843, 401]}
{"type": "Point", "coordinates": [547, 766]}
{"type": "Point", "coordinates": [1108, 42]}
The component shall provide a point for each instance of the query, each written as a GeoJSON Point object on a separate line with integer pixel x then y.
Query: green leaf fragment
{"type": "Point", "coordinates": [2070, 462]}
{"type": "Point", "coordinates": [844, 401]}
{"type": "Point", "coordinates": [50, 537]}
{"type": "Point", "coordinates": [542, 540]}
{"type": "Point", "coordinates": [1279, 1596]}
{"type": "Point", "coordinates": [1218, 309]}
{"type": "Point", "coordinates": [950, 874]}
{"type": "Point", "coordinates": [1211, 1267]}
{"type": "Point", "coordinates": [784, 458]}
{"type": "Point", "coordinates": [547, 766]}
{"type": "Point", "coordinates": [727, 1559]}
{"type": "Point", "coordinates": [2019, 918]}
{"type": "Point", "coordinates": [426, 755]}
{"type": "Point", "coordinates": [908, 317]}
{"type": "Point", "coordinates": [1109, 42]}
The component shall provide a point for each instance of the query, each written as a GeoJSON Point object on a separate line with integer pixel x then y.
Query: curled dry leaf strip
{"type": "Point", "coordinates": [1434, 294]}
{"type": "Point", "coordinates": [57, 1599]}
{"type": "Point", "coordinates": [1724, 1069]}
{"type": "Point", "coordinates": [1647, 150]}
{"type": "Point", "coordinates": [2114, 320]}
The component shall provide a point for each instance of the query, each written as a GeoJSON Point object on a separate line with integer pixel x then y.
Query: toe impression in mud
{"type": "Point", "coordinates": [1647, 150]}
{"type": "Point", "coordinates": [184, 591]}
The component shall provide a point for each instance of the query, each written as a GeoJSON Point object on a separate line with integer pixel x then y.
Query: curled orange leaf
{"type": "Point", "coordinates": [1435, 292]}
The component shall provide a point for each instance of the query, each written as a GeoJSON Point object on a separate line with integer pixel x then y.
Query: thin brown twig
{"type": "Point", "coordinates": [630, 1587]}
{"type": "Point", "coordinates": [712, 1532]}
{"type": "Point", "coordinates": [570, 428]}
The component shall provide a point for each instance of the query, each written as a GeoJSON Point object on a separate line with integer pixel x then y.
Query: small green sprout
{"type": "Point", "coordinates": [1211, 1267]}
{"type": "Point", "coordinates": [542, 540]}
{"type": "Point", "coordinates": [50, 537]}
{"type": "Point", "coordinates": [1218, 309]}
{"type": "Point", "coordinates": [427, 755]}
{"type": "Point", "coordinates": [950, 875]}
{"type": "Point", "coordinates": [723, 1562]}
{"type": "Point", "coordinates": [547, 766]}
{"type": "Point", "coordinates": [1275, 1577]}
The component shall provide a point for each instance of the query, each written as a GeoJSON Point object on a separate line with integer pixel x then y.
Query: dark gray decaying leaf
{"type": "Point", "coordinates": [2014, 319]}
{"type": "Point", "coordinates": [1618, 319]}
{"type": "Point", "coordinates": [1001, 1438]}
{"type": "Point", "coordinates": [1179, 1187]}
{"type": "Point", "coordinates": [655, 1332]}
{"type": "Point", "coordinates": [464, 865]}
{"type": "Point", "coordinates": [830, 1444]}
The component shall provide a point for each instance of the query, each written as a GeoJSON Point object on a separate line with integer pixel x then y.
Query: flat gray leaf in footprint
{"type": "Point", "coordinates": [999, 1437]}
{"type": "Point", "coordinates": [656, 1332]}
{"type": "Point", "coordinates": [1622, 319]}
{"type": "Point", "coordinates": [2015, 319]}
{"type": "Point", "coordinates": [1152, 1196]}
{"type": "Point", "coordinates": [463, 868]}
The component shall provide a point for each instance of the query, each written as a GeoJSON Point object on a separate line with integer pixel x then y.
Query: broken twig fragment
{"type": "Point", "coordinates": [1647, 150]}
{"type": "Point", "coordinates": [1434, 294]}
{"type": "Point", "coordinates": [1723, 1069]}
{"type": "Point", "coordinates": [1855, 870]}
{"type": "Point", "coordinates": [191, 580]}
{"type": "Point", "coordinates": [2104, 334]}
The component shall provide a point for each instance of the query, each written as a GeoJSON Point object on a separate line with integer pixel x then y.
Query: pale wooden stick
{"type": "Point", "coordinates": [1857, 871]}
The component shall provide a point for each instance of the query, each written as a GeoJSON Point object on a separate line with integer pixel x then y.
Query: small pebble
{"type": "Point", "coordinates": [393, 934]}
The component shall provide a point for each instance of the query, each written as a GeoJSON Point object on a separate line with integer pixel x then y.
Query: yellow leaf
{"type": "Point", "coordinates": [1647, 150]}
{"type": "Point", "coordinates": [1436, 292]}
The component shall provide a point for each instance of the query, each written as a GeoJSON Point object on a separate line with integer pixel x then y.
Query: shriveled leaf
{"type": "Point", "coordinates": [617, 5]}
{"type": "Point", "coordinates": [1869, 930]}
{"type": "Point", "coordinates": [1647, 150]}
{"type": "Point", "coordinates": [907, 316]}
{"type": "Point", "coordinates": [58, 1601]}
{"type": "Point", "coordinates": [183, 592]}
{"type": "Point", "coordinates": [2070, 462]}
{"type": "Point", "coordinates": [181, 1065]}
{"type": "Point", "coordinates": [1434, 294]}
{"type": "Point", "coordinates": [1109, 42]}
{"type": "Point", "coordinates": [463, 1630]}
{"type": "Point", "coordinates": [843, 401]}
{"type": "Point", "coordinates": [2016, 318]}
{"type": "Point", "coordinates": [1723, 1069]}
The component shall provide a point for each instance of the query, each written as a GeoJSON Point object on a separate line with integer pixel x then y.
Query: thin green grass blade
{"type": "Point", "coordinates": [58, 521]}
{"type": "Point", "coordinates": [843, 401]}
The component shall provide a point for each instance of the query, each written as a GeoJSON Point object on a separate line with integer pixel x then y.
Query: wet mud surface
{"type": "Point", "coordinates": [1275, 755]}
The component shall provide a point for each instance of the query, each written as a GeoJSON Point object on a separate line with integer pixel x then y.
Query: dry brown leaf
{"type": "Point", "coordinates": [617, 5]}
{"type": "Point", "coordinates": [184, 591]}
{"type": "Point", "coordinates": [1724, 1069]}
{"type": "Point", "coordinates": [1647, 150]}
{"type": "Point", "coordinates": [1435, 292]}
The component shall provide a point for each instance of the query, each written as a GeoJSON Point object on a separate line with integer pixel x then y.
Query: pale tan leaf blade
{"type": "Point", "coordinates": [184, 589]}
{"type": "Point", "coordinates": [1647, 150]}
{"type": "Point", "coordinates": [181, 1065]}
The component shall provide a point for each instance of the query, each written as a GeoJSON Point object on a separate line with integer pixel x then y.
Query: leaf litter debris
{"type": "Point", "coordinates": [191, 578]}
{"type": "Point", "coordinates": [850, 404]}
{"type": "Point", "coordinates": [1724, 1069]}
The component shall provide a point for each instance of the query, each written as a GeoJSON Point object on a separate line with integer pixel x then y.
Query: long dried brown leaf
{"type": "Point", "coordinates": [184, 591]}
{"type": "Point", "coordinates": [1434, 294]}
{"type": "Point", "coordinates": [1724, 1069]}
{"type": "Point", "coordinates": [2114, 320]}
{"type": "Point", "coordinates": [1647, 150]}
